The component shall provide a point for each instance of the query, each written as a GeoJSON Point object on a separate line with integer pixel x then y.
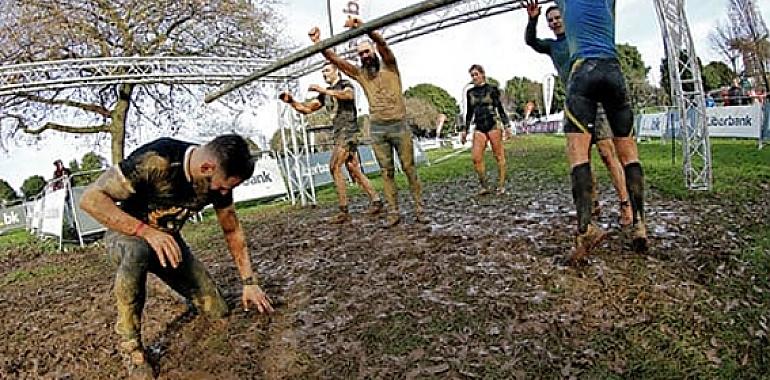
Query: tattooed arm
{"type": "Point", "coordinates": [99, 201]}
{"type": "Point", "coordinates": [236, 243]}
{"type": "Point", "coordinates": [301, 107]}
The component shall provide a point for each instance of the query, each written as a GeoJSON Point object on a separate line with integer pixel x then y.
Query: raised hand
{"type": "Point", "coordinates": [533, 9]}
{"type": "Point", "coordinates": [314, 34]}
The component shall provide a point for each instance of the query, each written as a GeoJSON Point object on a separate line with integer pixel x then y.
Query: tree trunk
{"type": "Point", "coordinates": [119, 116]}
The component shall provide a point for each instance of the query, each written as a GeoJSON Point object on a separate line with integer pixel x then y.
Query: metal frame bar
{"type": "Point", "coordinates": [426, 17]}
{"type": "Point", "coordinates": [296, 157]}
{"type": "Point", "coordinates": [684, 71]}
{"type": "Point", "coordinates": [402, 14]}
{"type": "Point", "coordinates": [57, 75]}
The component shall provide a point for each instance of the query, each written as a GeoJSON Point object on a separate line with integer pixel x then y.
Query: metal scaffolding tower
{"type": "Point", "coordinates": [296, 152]}
{"type": "Point", "coordinates": [687, 94]}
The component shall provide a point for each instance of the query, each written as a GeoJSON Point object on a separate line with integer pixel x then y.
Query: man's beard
{"type": "Point", "coordinates": [371, 65]}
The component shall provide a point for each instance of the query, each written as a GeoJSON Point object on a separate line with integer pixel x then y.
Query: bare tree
{"type": "Point", "coordinates": [744, 36]}
{"type": "Point", "coordinates": [724, 43]}
{"type": "Point", "coordinates": [49, 30]}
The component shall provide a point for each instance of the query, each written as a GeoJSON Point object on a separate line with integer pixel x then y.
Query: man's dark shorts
{"type": "Point", "coordinates": [595, 81]}
{"type": "Point", "coordinates": [346, 140]}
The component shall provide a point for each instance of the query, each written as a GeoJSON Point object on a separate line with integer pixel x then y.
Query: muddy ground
{"type": "Point", "coordinates": [481, 292]}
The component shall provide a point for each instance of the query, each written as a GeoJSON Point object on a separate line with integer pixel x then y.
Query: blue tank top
{"type": "Point", "coordinates": [590, 28]}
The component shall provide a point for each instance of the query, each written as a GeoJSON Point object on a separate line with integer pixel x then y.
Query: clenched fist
{"type": "Point", "coordinates": [314, 34]}
{"type": "Point", "coordinates": [353, 22]}
{"type": "Point", "coordinates": [286, 97]}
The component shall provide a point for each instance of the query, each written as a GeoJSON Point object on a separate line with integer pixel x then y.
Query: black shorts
{"type": "Point", "coordinates": [595, 81]}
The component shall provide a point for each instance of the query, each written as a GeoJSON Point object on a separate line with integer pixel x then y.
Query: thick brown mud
{"type": "Point", "coordinates": [481, 291]}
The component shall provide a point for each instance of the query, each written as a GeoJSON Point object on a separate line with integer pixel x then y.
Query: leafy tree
{"type": "Point", "coordinates": [74, 166]}
{"type": "Point", "coordinates": [91, 162]}
{"type": "Point", "coordinates": [50, 30]}
{"type": "Point", "coordinates": [520, 90]}
{"type": "Point", "coordinates": [665, 81]}
{"type": "Point", "coordinates": [440, 99]}
{"type": "Point", "coordinates": [276, 144]}
{"type": "Point", "coordinates": [641, 94]}
{"type": "Point", "coordinates": [7, 193]}
{"type": "Point", "coordinates": [32, 186]}
{"type": "Point", "coordinates": [716, 75]}
{"type": "Point", "coordinates": [559, 97]}
{"type": "Point", "coordinates": [422, 116]}
{"type": "Point", "coordinates": [493, 82]}
{"type": "Point", "coordinates": [632, 64]}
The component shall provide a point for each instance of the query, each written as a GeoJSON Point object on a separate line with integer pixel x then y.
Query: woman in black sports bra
{"type": "Point", "coordinates": [486, 112]}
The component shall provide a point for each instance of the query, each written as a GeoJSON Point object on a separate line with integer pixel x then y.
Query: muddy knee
{"type": "Point", "coordinates": [478, 160]}
{"type": "Point", "coordinates": [212, 305]}
{"type": "Point", "coordinates": [500, 159]}
{"type": "Point", "coordinates": [128, 251]}
{"type": "Point", "coordinates": [388, 171]}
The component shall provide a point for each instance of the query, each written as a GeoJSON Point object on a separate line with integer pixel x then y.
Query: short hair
{"type": "Point", "coordinates": [233, 156]}
{"type": "Point", "coordinates": [327, 63]}
{"type": "Point", "coordinates": [478, 68]}
{"type": "Point", "coordinates": [552, 8]}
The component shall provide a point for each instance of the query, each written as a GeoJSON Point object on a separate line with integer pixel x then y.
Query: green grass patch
{"type": "Point", "coordinates": [15, 241]}
{"type": "Point", "coordinates": [739, 167]}
{"type": "Point", "coordinates": [39, 274]}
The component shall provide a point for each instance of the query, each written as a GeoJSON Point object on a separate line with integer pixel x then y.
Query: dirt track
{"type": "Point", "coordinates": [480, 292]}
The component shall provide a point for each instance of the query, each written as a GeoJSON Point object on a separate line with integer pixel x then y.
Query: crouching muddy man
{"type": "Point", "coordinates": [339, 99]}
{"type": "Point", "coordinates": [381, 81]}
{"type": "Point", "coordinates": [159, 186]}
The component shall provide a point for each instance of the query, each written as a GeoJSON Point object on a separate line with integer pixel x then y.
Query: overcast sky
{"type": "Point", "coordinates": [441, 58]}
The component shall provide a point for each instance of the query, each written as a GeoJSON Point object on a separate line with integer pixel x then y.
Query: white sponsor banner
{"type": "Point", "coordinates": [739, 121]}
{"type": "Point", "coordinates": [266, 182]}
{"type": "Point", "coordinates": [37, 214]}
{"type": "Point", "coordinates": [53, 212]}
{"type": "Point", "coordinates": [652, 124]}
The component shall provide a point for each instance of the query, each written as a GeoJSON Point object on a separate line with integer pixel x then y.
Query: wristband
{"type": "Point", "coordinates": [251, 280]}
{"type": "Point", "coordinates": [139, 229]}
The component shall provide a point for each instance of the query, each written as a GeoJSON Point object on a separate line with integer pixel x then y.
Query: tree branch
{"type": "Point", "coordinates": [66, 128]}
{"type": "Point", "coordinates": [162, 37]}
{"type": "Point", "coordinates": [71, 103]}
